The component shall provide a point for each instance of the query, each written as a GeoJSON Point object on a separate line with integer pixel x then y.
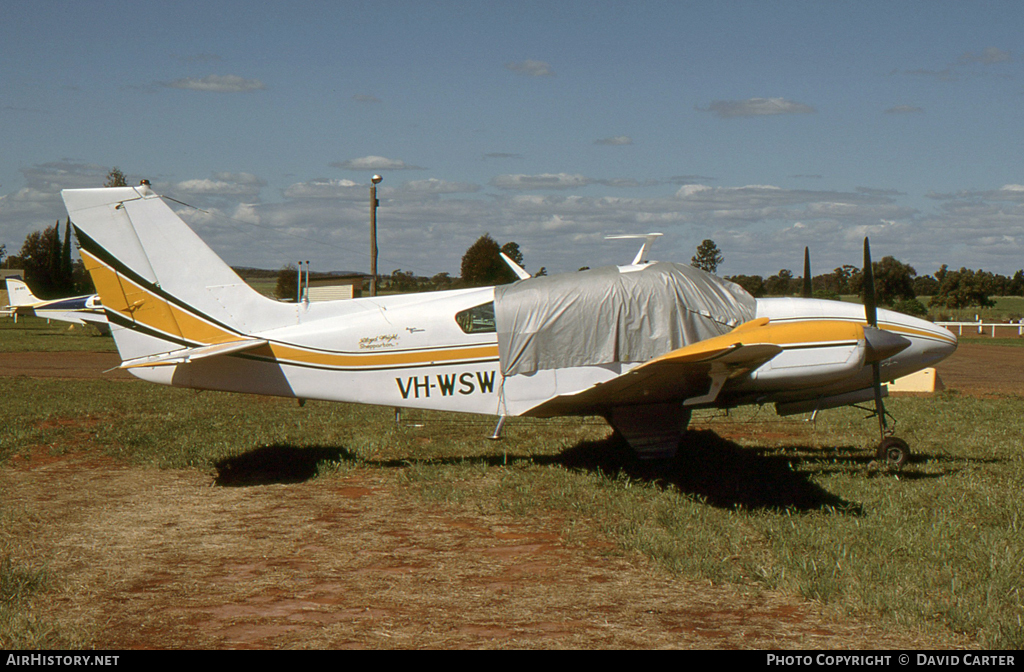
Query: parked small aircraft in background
{"type": "Point", "coordinates": [75, 309]}
{"type": "Point", "coordinates": [641, 345]}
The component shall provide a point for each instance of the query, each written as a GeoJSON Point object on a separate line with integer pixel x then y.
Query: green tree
{"type": "Point", "coordinates": [36, 257]}
{"type": "Point", "coordinates": [442, 281]}
{"type": "Point", "coordinates": [54, 258]}
{"type": "Point", "coordinates": [513, 252]}
{"type": "Point", "coordinates": [839, 280]}
{"type": "Point", "coordinates": [925, 285]}
{"type": "Point", "coordinates": [780, 284]}
{"type": "Point", "coordinates": [754, 284]}
{"type": "Point", "coordinates": [482, 263]}
{"type": "Point", "coordinates": [67, 270]}
{"type": "Point", "coordinates": [1015, 288]}
{"type": "Point", "coordinates": [402, 281]}
{"type": "Point", "coordinates": [708, 257]}
{"type": "Point", "coordinates": [894, 281]}
{"type": "Point", "coordinates": [115, 178]}
{"type": "Point", "coordinates": [3, 254]}
{"type": "Point", "coordinates": [287, 283]}
{"type": "Point", "coordinates": [963, 288]}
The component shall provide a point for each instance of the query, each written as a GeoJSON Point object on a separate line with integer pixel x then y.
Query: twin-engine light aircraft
{"type": "Point", "coordinates": [75, 309]}
{"type": "Point", "coordinates": [641, 345]}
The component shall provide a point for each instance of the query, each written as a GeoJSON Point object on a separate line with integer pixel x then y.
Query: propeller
{"type": "Point", "coordinates": [871, 315]}
{"type": "Point", "coordinates": [807, 274]}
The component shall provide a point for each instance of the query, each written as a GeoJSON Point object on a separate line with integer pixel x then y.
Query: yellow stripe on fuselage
{"type": "Point", "coordinates": [898, 328]}
{"type": "Point", "coordinates": [145, 307]}
{"type": "Point", "coordinates": [761, 331]}
{"type": "Point", "coordinates": [291, 354]}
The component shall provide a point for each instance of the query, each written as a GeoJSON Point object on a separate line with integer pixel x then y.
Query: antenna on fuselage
{"type": "Point", "coordinates": [516, 268]}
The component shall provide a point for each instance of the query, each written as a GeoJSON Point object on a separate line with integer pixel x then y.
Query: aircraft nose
{"type": "Point", "coordinates": [940, 347]}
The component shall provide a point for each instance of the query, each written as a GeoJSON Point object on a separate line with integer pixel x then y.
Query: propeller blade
{"type": "Point", "coordinates": [870, 307]}
{"type": "Point", "coordinates": [808, 292]}
{"type": "Point", "coordinates": [876, 344]}
{"type": "Point", "coordinates": [876, 374]}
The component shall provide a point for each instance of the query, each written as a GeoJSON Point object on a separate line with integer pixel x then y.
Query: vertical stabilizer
{"type": "Point", "coordinates": [18, 293]}
{"type": "Point", "coordinates": [155, 275]}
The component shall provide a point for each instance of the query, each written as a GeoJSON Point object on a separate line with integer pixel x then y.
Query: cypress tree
{"type": "Point", "coordinates": [53, 261]}
{"type": "Point", "coordinates": [67, 280]}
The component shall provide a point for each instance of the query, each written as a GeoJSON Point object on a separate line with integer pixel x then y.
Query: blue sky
{"type": "Point", "coordinates": [765, 126]}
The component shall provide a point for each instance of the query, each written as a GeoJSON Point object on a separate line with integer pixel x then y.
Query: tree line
{"type": "Point", "coordinates": [897, 285]}
{"type": "Point", "coordinates": [46, 259]}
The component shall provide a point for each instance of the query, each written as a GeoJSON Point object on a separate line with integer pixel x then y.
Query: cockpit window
{"type": "Point", "coordinates": [477, 320]}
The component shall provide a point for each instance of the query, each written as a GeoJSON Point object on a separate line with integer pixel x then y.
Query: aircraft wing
{"type": "Point", "coordinates": [186, 355]}
{"type": "Point", "coordinates": [693, 374]}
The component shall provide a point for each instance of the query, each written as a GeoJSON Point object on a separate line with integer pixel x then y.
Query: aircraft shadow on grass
{"type": "Point", "coordinates": [269, 465]}
{"type": "Point", "coordinates": [718, 471]}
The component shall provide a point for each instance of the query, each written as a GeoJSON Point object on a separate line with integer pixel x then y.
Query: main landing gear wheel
{"type": "Point", "coordinates": [896, 451]}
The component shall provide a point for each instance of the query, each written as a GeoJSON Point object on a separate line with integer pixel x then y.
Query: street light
{"type": "Point", "coordinates": [373, 233]}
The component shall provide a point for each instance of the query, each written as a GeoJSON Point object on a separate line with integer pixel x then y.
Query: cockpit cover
{"type": "Point", "coordinates": [608, 315]}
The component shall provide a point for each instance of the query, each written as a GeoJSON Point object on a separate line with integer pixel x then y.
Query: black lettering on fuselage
{"type": "Point", "coordinates": [447, 384]}
{"type": "Point", "coordinates": [468, 383]}
{"type": "Point", "coordinates": [486, 380]}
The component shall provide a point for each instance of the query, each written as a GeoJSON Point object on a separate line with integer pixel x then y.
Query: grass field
{"type": "Point", "coordinates": [32, 334]}
{"type": "Point", "coordinates": [753, 500]}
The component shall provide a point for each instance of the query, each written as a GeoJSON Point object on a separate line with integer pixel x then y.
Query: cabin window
{"type": "Point", "coordinates": [477, 320]}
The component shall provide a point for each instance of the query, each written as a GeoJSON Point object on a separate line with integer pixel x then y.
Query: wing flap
{"type": "Point", "coordinates": [186, 355]}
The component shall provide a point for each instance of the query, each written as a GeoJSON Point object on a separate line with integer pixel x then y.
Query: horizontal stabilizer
{"type": "Point", "coordinates": [186, 355]}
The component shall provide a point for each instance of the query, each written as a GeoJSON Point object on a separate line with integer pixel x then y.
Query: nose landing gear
{"type": "Point", "coordinates": [894, 450]}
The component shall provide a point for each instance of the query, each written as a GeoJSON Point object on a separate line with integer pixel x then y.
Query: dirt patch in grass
{"type": "Point", "coordinates": [981, 369]}
{"type": "Point", "coordinates": [166, 559]}
{"type": "Point", "coordinates": [63, 365]}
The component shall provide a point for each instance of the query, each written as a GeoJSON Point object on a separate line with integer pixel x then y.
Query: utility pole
{"type": "Point", "coordinates": [373, 233]}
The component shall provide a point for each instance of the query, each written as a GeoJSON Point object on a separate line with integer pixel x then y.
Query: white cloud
{"type": "Point", "coordinates": [756, 107]}
{"type": "Point", "coordinates": [223, 184]}
{"type": "Point", "coordinates": [436, 186]}
{"type": "Point", "coordinates": [218, 84]}
{"type": "Point", "coordinates": [324, 188]}
{"type": "Point", "coordinates": [531, 68]}
{"type": "Point", "coordinates": [374, 163]}
{"type": "Point", "coordinates": [542, 181]}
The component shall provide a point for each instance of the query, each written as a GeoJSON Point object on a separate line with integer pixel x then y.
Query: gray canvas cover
{"type": "Point", "coordinates": [605, 315]}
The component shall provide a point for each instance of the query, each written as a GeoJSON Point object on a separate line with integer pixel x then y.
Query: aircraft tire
{"type": "Point", "coordinates": [895, 451]}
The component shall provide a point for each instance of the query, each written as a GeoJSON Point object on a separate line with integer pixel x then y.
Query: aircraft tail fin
{"type": "Point", "coordinates": [18, 294]}
{"type": "Point", "coordinates": [158, 279]}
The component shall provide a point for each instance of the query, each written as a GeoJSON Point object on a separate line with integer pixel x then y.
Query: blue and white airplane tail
{"type": "Point", "coordinates": [74, 309]}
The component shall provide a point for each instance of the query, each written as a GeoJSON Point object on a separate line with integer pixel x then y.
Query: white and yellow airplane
{"type": "Point", "coordinates": [85, 309]}
{"type": "Point", "coordinates": [641, 345]}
